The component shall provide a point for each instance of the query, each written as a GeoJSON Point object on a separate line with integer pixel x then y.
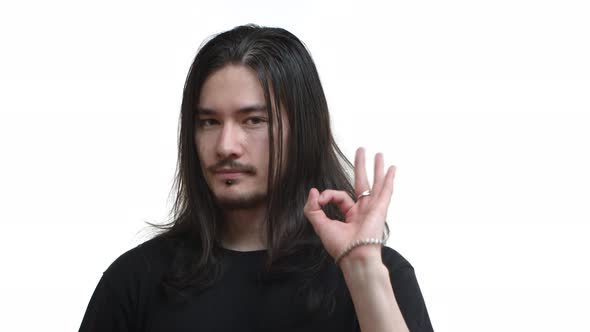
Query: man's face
{"type": "Point", "coordinates": [232, 137]}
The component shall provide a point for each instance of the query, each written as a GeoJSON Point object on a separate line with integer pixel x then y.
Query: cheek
{"type": "Point", "coordinates": [262, 143]}
{"type": "Point", "coordinates": [201, 148]}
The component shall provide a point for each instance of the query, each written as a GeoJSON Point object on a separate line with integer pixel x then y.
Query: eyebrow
{"type": "Point", "coordinates": [243, 110]}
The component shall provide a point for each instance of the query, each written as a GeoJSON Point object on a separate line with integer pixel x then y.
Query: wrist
{"type": "Point", "coordinates": [360, 257]}
{"type": "Point", "coordinates": [361, 250]}
{"type": "Point", "coordinates": [363, 270]}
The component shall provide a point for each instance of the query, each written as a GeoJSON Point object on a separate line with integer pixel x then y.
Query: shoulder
{"type": "Point", "coordinates": [126, 287]}
{"type": "Point", "coordinates": [149, 258]}
{"type": "Point", "coordinates": [407, 290]}
{"type": "Point", "coordinates": [394, 260]}
{"type": "Point", "coordinates": [401, 272]}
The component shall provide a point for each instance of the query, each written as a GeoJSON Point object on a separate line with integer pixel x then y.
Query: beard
{"type": "Point", "coordinates": [241, 201]}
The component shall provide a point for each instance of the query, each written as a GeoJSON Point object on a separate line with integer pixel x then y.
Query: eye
{"type": "Point", "coordinates": [255, 120]}
{"type": "Point", "coordinates": [207, 122]}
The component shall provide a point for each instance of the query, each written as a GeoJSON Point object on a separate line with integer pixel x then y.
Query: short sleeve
{"type": "Point", "coordinates": [105, 312]}
{"type": "Point", "coordinates": [407, 291]}
{"type": "Point", "coordinates": [121, 292]}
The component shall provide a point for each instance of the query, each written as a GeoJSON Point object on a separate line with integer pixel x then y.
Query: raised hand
{"type": "Point", "coordinates": [364, 218]}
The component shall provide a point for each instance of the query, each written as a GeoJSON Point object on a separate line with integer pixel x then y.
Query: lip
{"type": "Point", "coordinates": [229, 174]}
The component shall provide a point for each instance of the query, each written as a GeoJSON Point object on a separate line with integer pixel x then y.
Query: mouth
{"type": "Point", "coordinates": [229, 174]}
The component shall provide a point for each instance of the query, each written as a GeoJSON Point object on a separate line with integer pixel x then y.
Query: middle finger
{"type": "Point", "coordinates": [361, 182]}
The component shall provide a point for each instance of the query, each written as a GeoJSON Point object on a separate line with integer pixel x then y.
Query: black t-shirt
{"type": "Point", "coordinates": [128, 297]}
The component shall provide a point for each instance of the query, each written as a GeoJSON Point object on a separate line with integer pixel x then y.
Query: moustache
{"type": "Point", "coordinates": [228, 163]}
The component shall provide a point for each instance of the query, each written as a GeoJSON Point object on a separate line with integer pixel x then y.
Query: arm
{"type": "Point", "coordinates": [104, 312]}
{"type": "Point", "coordinates": [113, 304]}
{"type": "Point", "coordinates": [371, 287]}
{"type": "Point", "coordinates": [372, 295]}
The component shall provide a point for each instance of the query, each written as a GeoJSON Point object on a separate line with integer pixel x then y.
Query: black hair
{"type": "Point", "coordinates": [290, 80]}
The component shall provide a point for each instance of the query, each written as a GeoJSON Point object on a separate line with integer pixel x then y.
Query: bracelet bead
{"type": "Point", "coordinates": [358, 243]}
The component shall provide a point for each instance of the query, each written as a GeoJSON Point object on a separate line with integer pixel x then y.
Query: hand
{"type": "Point", "coordinates": [363, 219]}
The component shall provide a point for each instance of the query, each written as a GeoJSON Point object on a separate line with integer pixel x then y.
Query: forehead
{"type": "Point", "coordinates": [231, 88]}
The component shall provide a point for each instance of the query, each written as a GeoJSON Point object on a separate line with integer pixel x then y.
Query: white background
{"type": "Point", "coordinates": [482, 105]}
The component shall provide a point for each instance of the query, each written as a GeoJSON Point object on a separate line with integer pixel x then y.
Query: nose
{"type": "Point", "coordinates": [229, 144]}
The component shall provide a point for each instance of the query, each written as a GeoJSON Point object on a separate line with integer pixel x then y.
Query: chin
{"type": "Point", "coordinates": [240, 201]}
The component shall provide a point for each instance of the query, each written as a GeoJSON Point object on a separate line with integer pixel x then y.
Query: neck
{"type": "Point", "coordinates": [244, 230]}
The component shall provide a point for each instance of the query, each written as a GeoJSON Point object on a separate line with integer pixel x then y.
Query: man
{"type": "Point", "coordinates": [269, 233]}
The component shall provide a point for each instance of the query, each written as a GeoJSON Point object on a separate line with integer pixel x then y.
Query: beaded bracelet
{"type": "Point", "coordinates": [358, 243]}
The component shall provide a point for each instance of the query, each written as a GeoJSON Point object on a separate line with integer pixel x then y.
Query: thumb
{"type": "Point", "coordinates": [312, 209]}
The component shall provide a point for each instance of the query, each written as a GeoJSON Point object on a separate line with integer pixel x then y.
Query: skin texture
{"type": "Point", "coordinates": [233, 133]}
{"type": "Point", "coordinates": [229, 138]}
{"type": "Point", "coordinates": [366, 276]}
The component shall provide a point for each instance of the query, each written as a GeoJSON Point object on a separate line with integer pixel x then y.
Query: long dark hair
{"type": "Point", "coordinates": [288, 76]}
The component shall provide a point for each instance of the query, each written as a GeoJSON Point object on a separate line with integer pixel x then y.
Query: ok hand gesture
{"type": "Point", "coordinates": [364, 219]}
